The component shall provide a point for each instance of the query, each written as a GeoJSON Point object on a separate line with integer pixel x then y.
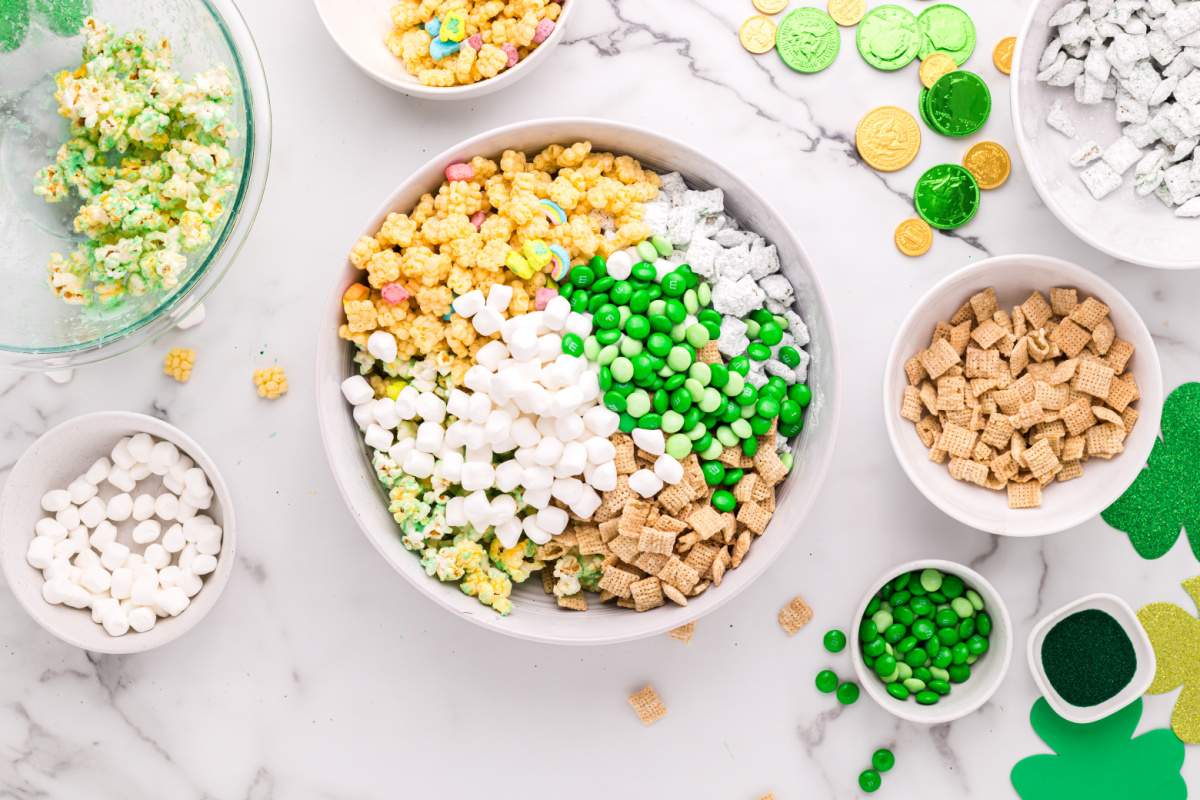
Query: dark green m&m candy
{"type": "Point", "coordinates": [946, 196]}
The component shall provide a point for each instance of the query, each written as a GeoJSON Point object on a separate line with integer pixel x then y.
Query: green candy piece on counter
{"type": "Point", "coordinates": [888, 37]}
{"type": "Point", "coordinates": [958, 104]}
{"type": "Point", "coordinates": [947, 196]}
{"type": "Point", "coordinates": [808, 40]}
{"type": "Point", "coordinates": [946, 29]}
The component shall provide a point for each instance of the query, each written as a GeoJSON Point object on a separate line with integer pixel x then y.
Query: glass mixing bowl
{"type": "Point", "coordinates": [38, 331]}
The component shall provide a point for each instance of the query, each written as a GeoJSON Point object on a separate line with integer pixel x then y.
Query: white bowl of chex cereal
{"type": "Point", "coordinates": [479, 47]}
{"type": "Point", "coordinates": [1022, 395]}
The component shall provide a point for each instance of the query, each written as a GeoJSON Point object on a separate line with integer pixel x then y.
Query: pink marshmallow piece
{"type": "Point", "coordinates": [475, 42]}
{"type": "Point", "coordinates": [542, 297]}
{"type": "Point", "coordinates": [394, 293]}
{"type": "Point", "coordinates": [513, 55]}
{"type": "Point", "coordinates": [543, 30]}
{"type": "Point", "coordinates": [477, 219]}
{"type": "Point", "coordinates": [460, 171]}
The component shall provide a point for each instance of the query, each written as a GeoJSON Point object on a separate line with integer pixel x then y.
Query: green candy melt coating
{"type": "Point", "coordinates": [888, 37]}
{"type": "Point", "coordinates": [808, 40]}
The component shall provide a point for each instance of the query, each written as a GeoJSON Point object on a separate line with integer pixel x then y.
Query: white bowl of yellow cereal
{"type": "Point", "coordinates": [535, 615]}
{"type": "Point", "coordinates": [1063, 503]}
{"type": "Point", "coordinates": [371, 34]}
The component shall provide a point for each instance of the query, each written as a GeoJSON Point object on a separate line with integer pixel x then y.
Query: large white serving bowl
{"type": "Point", "coordinates": [1137, 229]}
{"type": "Point", "coordinates": [1064, 505]}
{"type": "Point", "coordinates": [535, 616]}
{"type": "Point", "coordinates": [53, 461]}
{"type": "Point", "coordinates": [359, 28]}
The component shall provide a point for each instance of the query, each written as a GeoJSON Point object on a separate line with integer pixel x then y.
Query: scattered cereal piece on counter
{"type": "Point", "coordinates": [178, 363]}
{"type": "Point", "coordinates": [647, 705]}
{"type": "Point", "coordinates": [683, 633]}
{"type": "Point", "coordinates": [271, 382]}
{"type": "Point", "coordinates": [795, 615]}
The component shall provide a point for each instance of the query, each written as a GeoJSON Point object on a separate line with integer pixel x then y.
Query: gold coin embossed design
{"type": "Point", "coordinates": [1002, 56]}
{"type": "Point", "coordinates": [770, 6]}
{"type": "Point", "coordinates": [888, 138]}
{"type": "Point", "coordinates": [935, 66]}
{"type": "Point", "coordinates": [847, 12]}
{"type": "Point", "coordinates": [913, 237]}
{"type": "Point", "coordinates": [989, 163]}
{"type": "Point", "coordinates": [757, 34]}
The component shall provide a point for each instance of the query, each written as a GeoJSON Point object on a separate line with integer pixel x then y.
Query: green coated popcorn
{"type": "Point", "coordinates": [147, 158]}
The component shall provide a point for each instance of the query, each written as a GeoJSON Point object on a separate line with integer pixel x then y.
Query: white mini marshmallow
{"type": "Point", "coordinates": [81, 490]}
{"type": "Point", "coordinates": [469, 304]}
{"type": "Point", "coordinates": [599, 450]}
{"type": "Point", "coordinates": [51, 528]}
{"type": "Point", "coordinates": [357, 391]}
{"type": "Point", "coordinates": [377, 437]}
{"type": "Point", "coordinates": [121, 457]}
{"type": "Point", "coordinates": [457, 403]}
{"type": "Point", "coordinates": [478, 379]}
{"type": "Point", "coordinates": [449, 465]}
{"type": "Point", "coordinates": [574, 459]}
{"type": "Point", "coordinates": [524, 344]}
{"type": "Point", "coordinates": [172, 600]}
{"type": "Point", "coordinates": [143, 507]}
{"type": "Point", "coordinates": [163, 456]}
{"type": "Point", "coordinates": [604, 477]}
{"type": "Point", "coordinates": [504, 508]}
{"type": "Point", "coordinates": [96, 580]}
{"type": "Point", "coordinates": [600, 421]}
{"type": "Point", "coordinates": [552, 519]}
{"type": "Point", "coordinates": [566, 490]}
{"type": "Point", "coordinates": [477, 475]}
{"type": "Point", "coordinates": [557, 309]}
{"type": "Point", "coordinates": [104, 533]}
{"type": "Point", "coordinates": [98, 471]}
{"type": "Point", "coordinates": [508, 475]}
{"type": "Point", "coordinates": [418, 464]}
{"type": "Point", "coordinates": [430, 407]}
{"type": "Point", "coordinates": [487, 322]}
{"type": "Point", "coordinates": [363, 415]}
{"type": "Point", "coordinates": [40, 553]}
{"type": "Point", "coordinates": [587, 503]}
{"type": "Point", "coordinates": [491, 354]}
{"type": "Point", "coordinates": [116, 622]}
{"type": "Point", "coordinates": [645, 483]}
{"type": "Point", "coordinates": [477, 509]}
{"type": "Point", "coordinates": [172, 540]}
{"type": "Point", "coordinates": [578, 324]}
{"type": "Point", "coordinates": [455, 514]}
{"type": "Point", "coordinates": [537, 498]}
{"type": "Point", "coordinates": [668, 470]}
{"type": "Point", "coordinates": [479, 408]}
{"type": "Point", "coordinates": [113, 555]}
{"type": "Point", "coordinates": [549, 451]}
{"type": "Point", "coordinates": [142, 619]}
{"type": "Point", "coordinates": [68, 517]}
{"type": "Point", "coordinates": [619, 265]}
{"type": "Point", "coordinates": [102, 606]}
{"type": "Point", "coordinates": [140, 445]}
{"type": "Point", "coordinates": [92, 512]}
{"type": "Point", "coordinates": [166, 506]}
{"type": "Point", "coordinates": [569, 427]}
{"type": "Point", "coordinates": [535, 532]}
{"type": "Point", "coordinates": [147, 531]}
{"type": "Point", "coordinates": [429, 437]}
{"type": "Point", "coordinates": [190, 584]}
{"type": "Point", "coordinates": [56, 500]}
{"type": "Point", "coordinates": [121, 479]}
{"type": "Point", "coordinates": [384, 412]}
{"type": "Point", "coordinates": [498, 297]}
{"type": "Point", "coordinates": [122, 583]}
{"type": "Point", "coordinates": [649, 440]}
{"type": "Point", "coordinates": [509, 532]}
{"type": "Point", "coordinates": [208, 542]}
{"type": "Point", "coordinates": [144, 590]}
{"type": "Point", "coordinates": [120, 507]}
{"type": "Point", "coordinates": [525, 433]}
{"type": "Point", "coordinates": [139, 471]}
{"type": "Point", "coordinates": [382, 345]}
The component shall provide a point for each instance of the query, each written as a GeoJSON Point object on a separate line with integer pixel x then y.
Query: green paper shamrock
{"type": "Point", "coordinates": [1100, 760]}
{"type": "Point", "coordinates": [1166, 495]}
{"type": "Point", "coordinates": [64, 17]}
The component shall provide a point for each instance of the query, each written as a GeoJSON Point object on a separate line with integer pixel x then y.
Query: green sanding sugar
{"type": "Point", "coordinates": [64, 17]}
{"type": "Point", "coordinates": [14, 23]}
{"type": "Point", "coordinates": [1088, 657]}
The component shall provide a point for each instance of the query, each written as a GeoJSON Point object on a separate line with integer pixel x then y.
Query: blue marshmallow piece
{"type": "Point", "coordinates": [439, 49]}
{"type": "Point", "coordinates": [433, 27]}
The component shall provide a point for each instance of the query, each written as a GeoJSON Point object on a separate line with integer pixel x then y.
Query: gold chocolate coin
{"type": "Point", "coordinates": [757, 34]}
{"type": "Point", "coordinates": [935, 66]}
{"type": "Point", "coordinates": [888, 138]}
{"type": "Point", "coordinates": [770, 6]}
{"type": "Point", "coordinates": [989, 163]}
{"type": "Point", "coordinates": [913, 237]}
{"type": "Point", "coordinates": [847, 12]}
{"type": "Point", "coordinates": [1003, 54]}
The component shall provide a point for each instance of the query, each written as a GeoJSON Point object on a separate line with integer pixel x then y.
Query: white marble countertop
{"type": "Point", "coordinates": [321, 673]}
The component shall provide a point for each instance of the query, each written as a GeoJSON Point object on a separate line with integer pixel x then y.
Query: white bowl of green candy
{"type": "Point", "coordinates": [932, 641]}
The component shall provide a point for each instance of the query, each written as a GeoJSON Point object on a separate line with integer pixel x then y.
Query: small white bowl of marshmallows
{"type": "Point", "coordinates": [116, 532]}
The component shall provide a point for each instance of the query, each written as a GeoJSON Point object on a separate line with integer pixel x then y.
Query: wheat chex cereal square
{"type": "Point", "coordinates": [1041, 459]}
{"type": "Point", "coordinates": [754, 517]}
{"type": "Point", "coordinates": [982, 363]}
{"type": "Point", "coordinates": [1063, 301]}
{"type": "Point", "coordinates": [1078, 416]}
{"type": "Point", "coordinates": [647, 705]}
{"type": "Point", "coordinates": [1118, 355]}
{"type": "Point", "coordinates": [1024, 495]}
{"type": "Point", "coordinates": [983, 304]}
{"type": "Point", "coordinates": [951, 393]}
{"type": "Point", "coordinates": [653, 540]}
{"type": "Point", "coordinates": [795, 615]}
{"type": "Point", "coordinates": [651, 563]}
{"type": "Point", "coordinates": [616, 580]}
{"type": "Point", "coordinates": [1036, 310]}
{"type": "Point", "coordinates": [1090, 313]}
{"type": "Point", "coordinates": [987, 334]}
{"type": "Point", "coordinates": [963, 314]}
{"type": "Point", "coordinates": [940, 357]}
{"type": "Point", "coordinates": [914, 371]}
{"type": "Point", "coordinates": [998, 431]}
{"type": "Point", "coordinates": [1028, 415]}
{"type": "Point", "coordinates": [957, 441]}
{"type": "Point", "coordinates": [1106, 414]}
{"type": "Point", "coordinates": [709, 354]}
{"type": "Point", "coordinates": [1063, 372]}
{"type": "Point", "coordinates": [1003, 466]}
{"type": "Point", "coordinates": [937, 455]}
{"type": "Point", "coordinates": [1051, 398]}
{"type": "Point", "coordinates": [1073, 448]}
{"type": "Point", "coordinates": [1071, 338]}
{"type": "Point", "coordinates": [647, 594]}
{"type": "Point", "coordinates": [1129, 418]}
{"type": "Point", "coordinates": [1105, 440]}
{"type": "Point", "coordinates": [1122, 392]}
{"type": "Point", "coordinates": [706, 521]}
{"type": "Point", "coordinates": [684, 576]}
{"type": "Point", "coordinates": [1069, 472]}
{"type": "Point", "coordinates": [1094, 378]}
{"type": "Point", "coordinates": [982, 453]}
{"type": "Point", "coordinates": [744, 490]}
{"type": "Point", "coordinates": [962, 469]}
{"type": "Point", "coordinates": [625, 548]}
{"type": "Point", "coordinates": [911, 407]}
{"type": "Point", "coordinates": [960, 337]}
{"type": "Point", "coordinates": [768, 466]}
{"type": "Point", "coordinates": [574, 602]}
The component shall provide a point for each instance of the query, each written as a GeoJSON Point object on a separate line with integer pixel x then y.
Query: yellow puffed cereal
{"type": "Point", "coordinates": [271, 382]}
{"type": "Point", "coordinates": [178, 363]}
{"type": "Point", "coordinates": [472, 39]}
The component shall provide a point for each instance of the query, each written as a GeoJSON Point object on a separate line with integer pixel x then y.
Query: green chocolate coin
{"type": "Point", "coordinates": [808, 40]}
{"type": "Point", "coordinates": [888, 37]}
{"type": "Point", "coordinates": [958, 104]}
{"type": "Point", "coordinates": [946, 196]}
{"type": "Point", "coordinates": [947, 29]}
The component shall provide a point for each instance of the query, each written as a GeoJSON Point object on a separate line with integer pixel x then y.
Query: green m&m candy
{"type": "Point", "coordinates": [808, 40]}
{"type": "Point", "coordinates": [946, 196]}
{"type": "Point", "coordinates": [888, 37]}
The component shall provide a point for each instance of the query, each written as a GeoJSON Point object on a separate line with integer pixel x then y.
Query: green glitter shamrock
{"type": "Point", "coordinates": [1100, 760]}
{"type": "Point", "coordinates": [1166, 495]}
{"type": "Point", "coordinates": [64, 17]}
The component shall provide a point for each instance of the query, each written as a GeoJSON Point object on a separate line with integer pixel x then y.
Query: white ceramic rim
{"type": "Point", "coordinates": [933, 715]}
{"type": "Point", "coordinates": [1025, 149]}
{"type": "Point", "coordinates": [1138, 684]}
{"type": "Point", "coordinates": [1132, 463]}
{"type": "Point", "coordinates": [414, 88]}
{"type": "Point", "coordinates": [752, 568]}
{"type": "Point", "coordinates": [202, 603]}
